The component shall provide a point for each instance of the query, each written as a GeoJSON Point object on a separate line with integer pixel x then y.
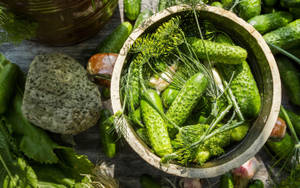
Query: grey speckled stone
{"type": "Point", "coordinates": [58, 95]}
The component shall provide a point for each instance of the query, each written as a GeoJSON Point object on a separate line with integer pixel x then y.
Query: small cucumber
{"type": "Point", "coordinates": [269, 3]}
{"type": "Point", "coordinates": [155, 124]}
{"type": "Point", "coordinates": [285, 37]}
{"type": "Point", "coordinates": [142, 17]}
{"type": "Point", "coordinates": [227, 3]}
{"type": "Point", "coordinates": [217, 4]}
{"type": "Point", "coordinates": [114, 42]}
{"type": "Point", "coordinates": [268, 22]}
{"type": "Point", "coordinates": [132, 9]}
{"type": "Point", "coordinates": [168, 96]}
{"type": "Point", "coordinates": [147, 181]}
{"type": "Point", "coordinates": [107, 137]}
{"type": "Point", "coordinates": [227, 181]}
{"type": "Point", "coordinates": [238, 133]}
{"type": "Point", "coordinates": [290, 3]}
{"type": "Point", "coordinates": [256, 184]}
{"type": "Point", "coordinates": [220, 52]}
{"type": "Point", "coordinates": [186, 100]}
{"type": "Point", "coordinates": [290, 78]}
{"type": "Point", "coordinates": [8, 80]}
{"type": "Point", "coordinates": [295, 12]}
{"type": "Point", "coordinates": [249, 9]}
{"type": "Point", "coordinates": [282, 148]}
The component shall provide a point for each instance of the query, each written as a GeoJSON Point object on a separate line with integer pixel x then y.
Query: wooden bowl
{"type": "Point", "coordinates": [265, 71]}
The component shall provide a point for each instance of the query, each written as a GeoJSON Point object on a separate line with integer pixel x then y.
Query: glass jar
{"type": "Point", "coordinates": [65, 22]}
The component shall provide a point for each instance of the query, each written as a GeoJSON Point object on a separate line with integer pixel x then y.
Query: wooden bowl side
{"type": "Point", "coordinates": [267, 76]}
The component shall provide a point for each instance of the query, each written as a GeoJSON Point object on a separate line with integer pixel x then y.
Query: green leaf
{"type": "Point", "coordinates": [14, 171]}
{"type": "Point", "coordinates": [33, 141]}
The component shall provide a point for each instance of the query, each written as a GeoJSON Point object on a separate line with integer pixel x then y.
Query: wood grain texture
{"type": "Point", "coordinates": [265, 70]}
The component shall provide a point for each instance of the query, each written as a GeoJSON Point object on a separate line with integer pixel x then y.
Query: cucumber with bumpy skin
{"type": "Point", "coordinates": [290, 78]}
{"type": "Point", "coordinates": [220, 52]}
{"type": "Point", "coordinates": [285, 37]}
{"type": "Point", "coordinates": [268, 22]}
{"type": "Point", "coordinates": [168, 96]}
{"type": "Point", "coordinates": [186, 100]}
{"type": "Point", "coordinates": [132, 9]}
{"type": "Point", "coordinates": [249, 8]}
{"type": "Point", "coordinates": [114, 42]}
{"type": "Point", "coordinates": [155, 124]}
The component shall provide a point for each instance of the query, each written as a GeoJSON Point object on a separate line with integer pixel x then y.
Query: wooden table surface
{"type": "Point", "coordinates": [127, 165]}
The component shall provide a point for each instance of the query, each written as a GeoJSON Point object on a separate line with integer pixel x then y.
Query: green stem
{"type": "Point", "coordinates": [290, 125]}
{"type": "Point", "coordinates": [236, 2]}
{"type": "Point", "coordinates": [284, 52]}
{"type": "Point", "coordinates": [220, 117]}
{"type": "Point", "coordinates": [6, 168]}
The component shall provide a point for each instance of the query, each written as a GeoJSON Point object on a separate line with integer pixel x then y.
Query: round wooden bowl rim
{"type": "Point", "coordinates": [137, 144]}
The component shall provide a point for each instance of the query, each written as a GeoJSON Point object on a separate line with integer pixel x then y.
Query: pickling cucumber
{"type": "Point", "coordinates": [220, 52]}
{"type": "Point", "coordinates": [217, 4]}
{"type": "Point", "coordinates": [8, 80]}
{"type": "Point", "coordinates": [156, 127]}
{"type": "Point", "coordinates": [282, 148]}
{"type": "Point", "coordinates": [186, 100]}
{"type": "Point", "coordinates": [132, 9]}
{"type": "Point", "coordinates": [290, 78]}
{"type": "Point", "coordinates": [269, 3]}
{"type": "Point", "coordinates": [238, 133]}
{"type": "Point", "coordinates": [290, 3]}
{"type": "Point", "coordinates": [227, 3]}
{"type": "Point", "coordinates": [249, 8]}
{"type": "Point", "coordinates": [268, 22]}
{"type": "Point", "coordinates": [285, 37]}
{"type": "Point", "coordinates": [227, 181]}
{"type": "Point", "coordinates": [114, 42]}
{"type": "Point", "coordinates": [168, 96]}
{"type": "Point", "coordinates": [142, 17]}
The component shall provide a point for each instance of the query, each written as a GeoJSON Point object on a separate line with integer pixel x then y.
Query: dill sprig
{"type": "Point", "coordinates": [14, 28]}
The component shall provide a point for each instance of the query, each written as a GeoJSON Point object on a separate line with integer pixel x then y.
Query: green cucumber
{"type": "Point", "coordinates": [290, 78]}
{"type": "Point", "coordinates": [186, 100]}
{"type": "Point", "coordinates": [268, 22]}
{"type": "Point", "coordinates": [147, 181]}
{"type": "Point", "coordinates": [227, 181]}
{"type": "Point", "coordinates": [227, 3]}
{"type": "Point", "coordinates": [137, 118]}
{"type": "Point", "coordinates": [155, 124]}
{"type": "Point", "coordinates": [269, 3]}
{"type": "Point", "coordinates": [8, 80]}
{"type": "Point", "coordinates": [256, 184]}
{"type": "Point", "coordinates": [114, 42]}
{"type": "Point", "coordinates": [285, 37]}
{"type": "Point", "coordinates": [295, 119]}
{"type": "Point", "coordinates": [238, 133]}
{"type": "Point", "coordinates": [145, 14]}
{"type": "Point", "coordinates": [290, 3]}
{"type": "Point", "coordinates": [249, 9]}
{"type": "Point", "coordinates": [217, 4]}
{"type": "Point", "coordinates": [134, 82]}
{"type": "Point", "coordinates": [132, 9]}
{"type": "Point", "coordinates": [282, 148]}
{"type": "Point", "coordinates": [168, 96]}
{"type": "Point", "coordinates": [107, 137]}
{"type": "Point", "coordinates": [220, 52]}
{"type": "Point", "coordinates": [295, 12]}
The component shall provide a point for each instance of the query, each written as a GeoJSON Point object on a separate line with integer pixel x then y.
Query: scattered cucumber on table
{"type": "Point", "coordinates": [285, 37]}
{"type": "Point", "coordinates": [290, 3]}
{"type": "Point", "coordinates": [268, 22]}
{"type": "Point", "coordinates": [107, 135]}
{"type": "Point", "coordinates": [147, 181]}
{"type": "Point", "coordinates": [142, 17]}
{"type": "Point", "coordinates": [227, 181]}
{"type": "Point", "coordinates": [155, 124]}
{"type": "Point", "coordinates": [269, 3]}
{"type": "Point", "coordinates": [282, 148]}
{"type": "Point", "coordinates": [290, 78]}
{"type": "Point", "coordinates": [221, 52]}
{"type": "Point", "coordinates": [8, 79]}
{"type": "Point", "coordinates": [132, 9]}
{"type": "Point", "coordinates": [249, 8]}
{"type": "Point", "coordinates": [114, 41]}
{"type": "Point", "coordinates": [186, 100]}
